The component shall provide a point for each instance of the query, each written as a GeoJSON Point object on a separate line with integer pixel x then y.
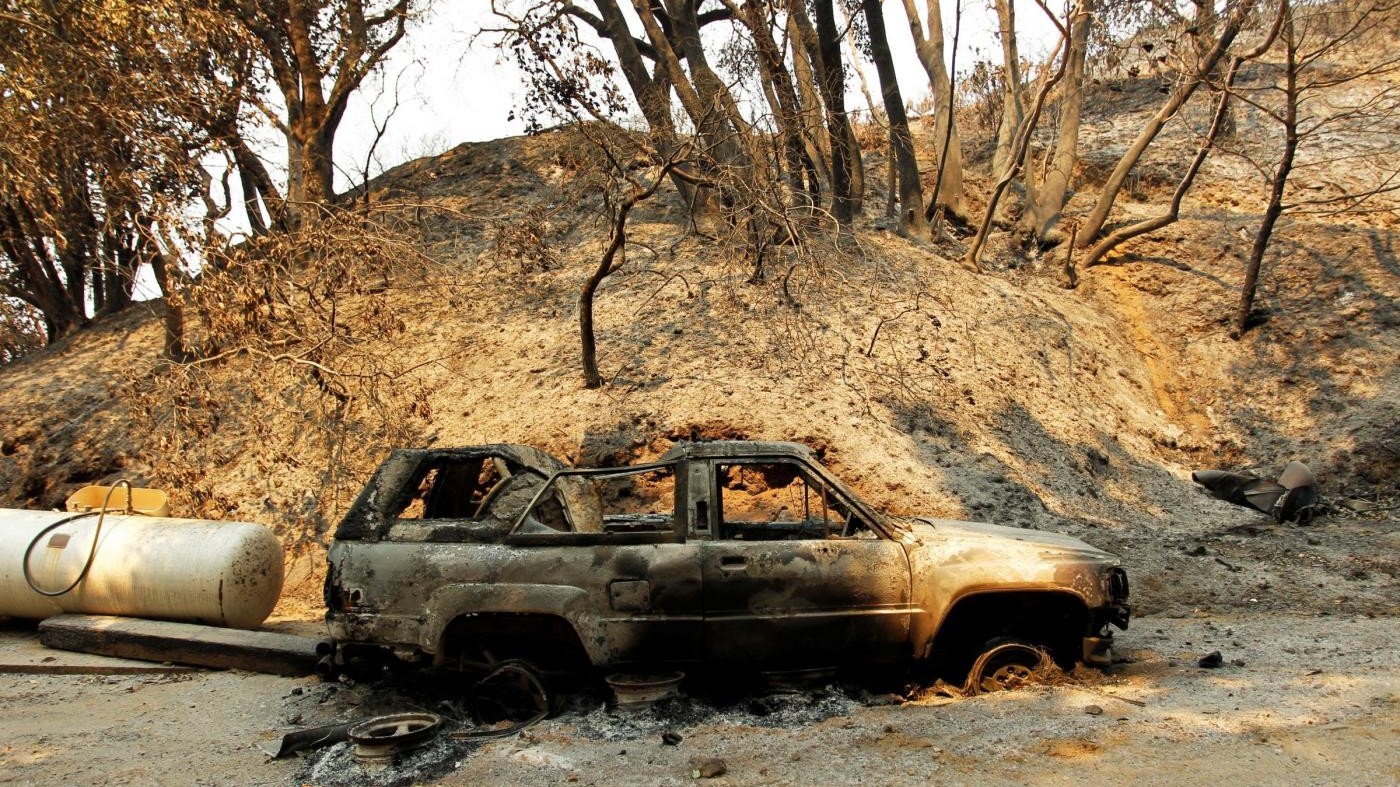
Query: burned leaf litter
{"type": "Point", "coordinates": [788, 709]}
{"type": "Point", "coordinates": [587, 716]}
{"type": "Point", "coordinates": [337, 766]}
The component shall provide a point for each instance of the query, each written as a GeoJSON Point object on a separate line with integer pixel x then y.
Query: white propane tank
{"type": "Point", "coordinates": [200, 571]}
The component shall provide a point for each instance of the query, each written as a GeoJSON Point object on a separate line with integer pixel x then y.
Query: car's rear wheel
{"type": "Point", "coordinates": [514, 690]}
{"type": "Point", "coordinates": [1006, 664]}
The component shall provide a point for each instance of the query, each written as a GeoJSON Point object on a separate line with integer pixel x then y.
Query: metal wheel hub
{"type": "Point", "coordinates": [1010, 676]}
{"type": "Point", "coordinates": [378, 740]}
{"type": "Point", "coordinates": [1008, 665]}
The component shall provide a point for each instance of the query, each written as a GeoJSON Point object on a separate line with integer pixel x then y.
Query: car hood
{"type": "Point", "coordinates": [927, 530]}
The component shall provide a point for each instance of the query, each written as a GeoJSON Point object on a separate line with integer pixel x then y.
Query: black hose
{"type": "Point", "coordinates": [92, 551]}
{"type": "Point", "coordinates": [29, 550]}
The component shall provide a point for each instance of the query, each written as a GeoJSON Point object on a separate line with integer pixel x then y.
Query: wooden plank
{"type": "Point", "coordinates": [181, 643]}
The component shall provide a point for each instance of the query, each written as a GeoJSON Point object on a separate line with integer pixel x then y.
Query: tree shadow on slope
{"type": "Point", "coordinates": [1324, 367]}
{"type": "Point", "coordinates": [1048, 480]}
{"type": "Point", "coordinates": [1096, 490]}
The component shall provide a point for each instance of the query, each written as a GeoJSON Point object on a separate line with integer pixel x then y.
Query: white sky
{"type": "Point", "coordinates": [454, 90]}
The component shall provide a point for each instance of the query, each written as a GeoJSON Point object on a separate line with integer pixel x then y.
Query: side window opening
{"type": "Point", "coordinates": [644, 501]}
{"type": "Point", "coordinates": [627, 501]}
{"type": "Point", "coordinates": [456, 489]}
{"type": "Point", "coordinates": [773, 501]}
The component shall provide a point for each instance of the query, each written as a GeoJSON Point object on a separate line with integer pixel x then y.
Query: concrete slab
{"type": "Point", "coordinates": [182, 643]}
{"type": "Point", "coordinates": [22, 653]}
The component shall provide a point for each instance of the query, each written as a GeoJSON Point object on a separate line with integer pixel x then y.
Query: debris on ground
{"type": "Point", "coordinates": [707, 767]}
{"type": "Point", "coordinates": [307, 739]}
{"type": "Point", "coordinates": [378, 741]}
{"type": "Point", "coordinates": [1292, 498]}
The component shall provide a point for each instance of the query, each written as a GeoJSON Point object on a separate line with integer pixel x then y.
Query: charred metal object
{"type": "Point", "coordinates": [308, 739]}
{"type": "Point", "coordinates": [726, 553]}
{"type": "Point", "coordinates": [1292, 498]}
{"type": "Point", "coordinates": [513, 691]}
{"type": "Point", "coordinates": [639, 691]}
{"type": "Point", "coordinates": [378, 740]}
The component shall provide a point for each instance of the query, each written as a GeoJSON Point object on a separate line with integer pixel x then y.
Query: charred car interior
{"type": "Point", "coordinates": [718, 553]}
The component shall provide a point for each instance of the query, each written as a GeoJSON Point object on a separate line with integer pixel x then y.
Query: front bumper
{"type": "Point", "coordinates": [1098, 644]}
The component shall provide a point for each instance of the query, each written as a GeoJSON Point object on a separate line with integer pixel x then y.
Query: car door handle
{"type": "Point", "coordinates": [733, 563]}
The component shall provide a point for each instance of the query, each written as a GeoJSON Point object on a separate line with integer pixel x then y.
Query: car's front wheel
{"type": "Point", "coordinates": [1007, 664]}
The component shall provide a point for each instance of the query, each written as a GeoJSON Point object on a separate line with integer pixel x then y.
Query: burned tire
{"type": "Point", "coordinates": [1006, 664]}
{"type": "Point", "coordinates": [514, 691]}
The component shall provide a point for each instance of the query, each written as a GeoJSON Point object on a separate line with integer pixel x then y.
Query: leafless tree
{"type": "Point", "coordinates": [379, 119]}
{"type": "Point", "coordinates": [1042, 214]}
{"type": "Point", "coordinates": [778, 87]}
{"type": "Point", "coordinates": [928, 45]}
{"type": "Point", "coordinates": [911, 193]}
{"type": "Point", "coordinates": [1049, 79]}
{"type": "Point", "coordinates": [1219, 123]}
{"type": "Point", "coordinates": [626, 187]}
{"type": "Point", "coordinates": [1337, 105]}
{"type": "Point", "coordinates": [1191, 78]}
{"type": "Point", "coordinates": [822, 43]}
{"type": "Point", "coordinates": [1012, 110]}
{"type": "Point", "coordinates": [1124, 234]}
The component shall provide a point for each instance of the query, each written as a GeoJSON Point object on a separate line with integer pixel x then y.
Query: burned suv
{"type": "Point", "coordinates": [717, 553]}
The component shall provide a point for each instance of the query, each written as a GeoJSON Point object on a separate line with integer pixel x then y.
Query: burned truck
{"type": "Point", "coordinates": [717, 554]}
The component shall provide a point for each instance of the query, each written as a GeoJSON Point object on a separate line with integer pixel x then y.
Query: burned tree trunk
{"type": "Point", "coordinates": [1011, 110]}
{"type": "Point", "coordinates": [1280, 178]}
{"type": "Point", "coordinates": [1125, 234]}
{"type": "Point", "coordinates": [304, 47]}
{"type": "Point", "coordinates": [1042, 214]}
{"type": "Point", "coordinates": [173, 321]}
{"type": "Point", "coordinates": [911, 192]}
{"type": "Point", "coordinates": [1093, 225]}
{"type": "Point", "coordinates": [823, 43]}
{"type": "Point", "coordinates": [814, 137]}
{"type": "Point", "coordinates": [787, 111]}
{"type": "Point", "coordinates": [651, 90]}
{"type": "Point", "coordinates": [608, 265]}
{"type": "Point", "coordinates": [38, 279]}
{"type": "Point", "coordinates": [948, 147]}
{"type": "Point", "coordinates": [972, 259]}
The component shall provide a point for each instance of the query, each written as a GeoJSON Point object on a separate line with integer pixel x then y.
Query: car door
{"type": "Point", "coordinates": [794, 578]}
{"type": "Point", "coordinates": [611, 536]}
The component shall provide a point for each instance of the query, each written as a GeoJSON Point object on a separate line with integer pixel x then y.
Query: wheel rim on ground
{"type": "Point", "coordinates": [1005, 666]}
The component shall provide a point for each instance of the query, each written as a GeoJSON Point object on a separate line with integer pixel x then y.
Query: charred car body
{"type": "Point", "coordinates": [719, 552]}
